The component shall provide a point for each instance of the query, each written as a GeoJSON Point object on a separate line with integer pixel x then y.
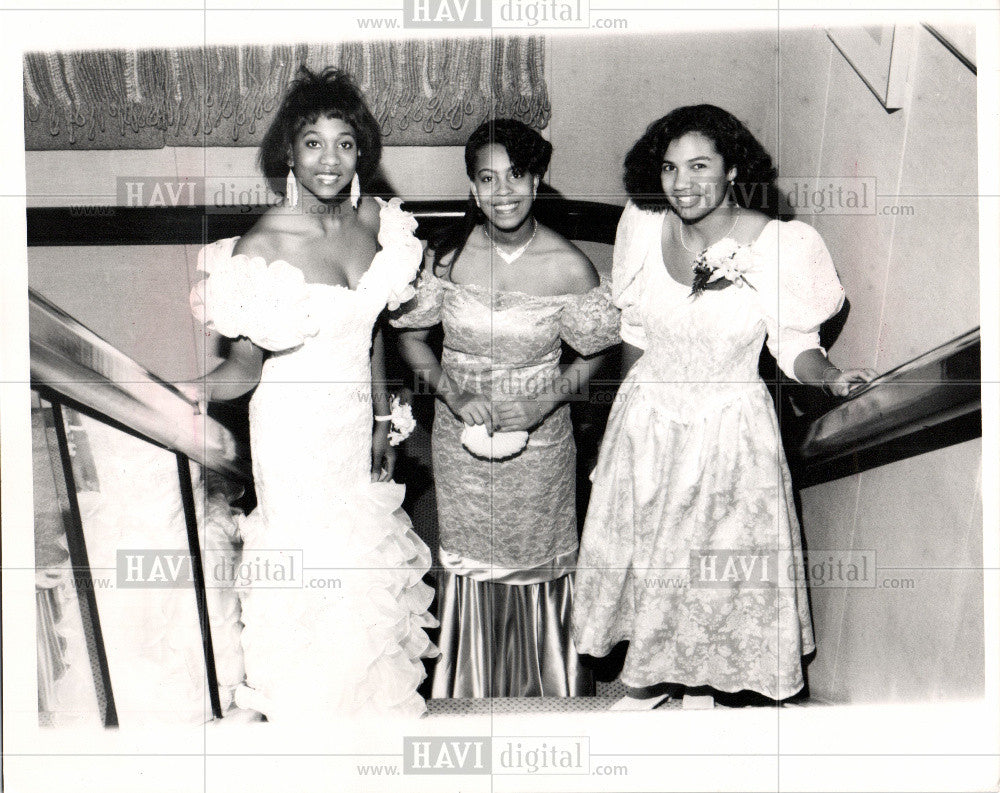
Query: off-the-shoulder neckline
{"type": "Point", "coordinates": [247, 256]}
{"type": "Point", "coordinates": [491, 291]}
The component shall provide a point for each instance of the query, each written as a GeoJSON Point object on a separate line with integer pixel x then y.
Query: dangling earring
{"type": "Point", "coordinates": [291, 189]}
{"type": "Point", "coordinates": [355, 190]}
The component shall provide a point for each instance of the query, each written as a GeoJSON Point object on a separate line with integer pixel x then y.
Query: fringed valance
{"type": "Point", "coordinates": [428, 92]}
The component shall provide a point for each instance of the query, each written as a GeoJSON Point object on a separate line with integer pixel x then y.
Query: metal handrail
{"type": "Point", "coordinates": [76, 363]}
{"type": "Point", "coordinates": [939, 386]}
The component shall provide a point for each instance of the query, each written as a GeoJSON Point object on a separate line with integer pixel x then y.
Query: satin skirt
{"type": "Point", "coordinates": [507, 640]}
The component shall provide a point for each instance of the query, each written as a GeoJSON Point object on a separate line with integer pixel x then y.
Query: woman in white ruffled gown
{"type": "Point", "coordinates": [300, 295]}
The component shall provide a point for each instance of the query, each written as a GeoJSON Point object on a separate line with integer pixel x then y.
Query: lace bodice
{"type": "Point", "coordinates": [515, 336]}
{"type": "Point", "coordinates": [710, 343]}
{"type": "Point", "coordinates": [518, 514]}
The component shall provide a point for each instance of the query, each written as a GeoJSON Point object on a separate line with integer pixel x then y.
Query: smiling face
{"type": "Point", "coordinates": [694, 176]}
{"type": "Point", "coordinates": [504, 193]}
{"type": "Point", "coordinates": [324, 157]}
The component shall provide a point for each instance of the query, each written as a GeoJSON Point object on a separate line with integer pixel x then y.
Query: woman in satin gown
{"type": "Point", "coordinates": [508, 291]}
{"type": "Point", "coordinates": [301, 295]}
{"type": "Point", "coordinates": [691, 549]}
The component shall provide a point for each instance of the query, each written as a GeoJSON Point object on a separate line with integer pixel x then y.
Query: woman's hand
{"type": "Point", "coordinates": [212, 434]}
{"type": "Point", "coordinates": [195, 391]}
{"type": "Point", "coordinates": [472, 408]}
{"type": "Point", "coordinates": [520, 414]}
{"type": "Point", "coordinates": [383, 455]}
{"type": "Point", "coordinates": [840, 383]}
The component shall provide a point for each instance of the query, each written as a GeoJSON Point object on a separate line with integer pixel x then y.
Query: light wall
{"type": "Point", "coordinates": [607, 89]}
{"type": "Point", "coordinates": [913, 283]}
{"type": "Point", "coordinates": [61, 178]}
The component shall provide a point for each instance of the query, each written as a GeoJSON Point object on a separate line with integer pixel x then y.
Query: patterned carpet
{"type": "Point", "coordinates": [522, 705]}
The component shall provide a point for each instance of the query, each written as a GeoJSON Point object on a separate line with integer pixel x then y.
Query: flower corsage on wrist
{"type": "Point", "coordinates": [723, 264]}
{"type": "Point", "coordinates": [401, 421]}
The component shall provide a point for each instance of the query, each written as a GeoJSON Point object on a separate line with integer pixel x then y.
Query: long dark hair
{"type": "Point", "coordinates": [527, 151]}
{"type": "Point", "coordinates": [330, 94]}
{"type": "Point", "coordinates": [753, 186]}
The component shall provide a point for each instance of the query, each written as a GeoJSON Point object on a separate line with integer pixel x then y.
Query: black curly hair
{"type": "Point", "coordinates": [330, 94]}
{"type": "Point", "coordinates": [754, 183]}
{"type": "Point", "coordinates": [527, 151]}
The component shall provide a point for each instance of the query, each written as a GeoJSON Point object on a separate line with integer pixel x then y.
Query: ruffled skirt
{"type": "Point", "coordinates": [348, 639]}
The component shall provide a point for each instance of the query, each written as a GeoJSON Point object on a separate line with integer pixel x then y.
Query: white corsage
{"type": "Point", "coordinates": [723, 264]}
{"type": "Point", "coordinates": [497, 446]}
{"type": "Point", "coordinates": [401, 421]}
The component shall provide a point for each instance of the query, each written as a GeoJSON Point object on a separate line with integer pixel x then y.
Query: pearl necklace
{"type": "Point", "coordinates": [513, 256]}
{"type": "Point", "coordinates": [732, 228]}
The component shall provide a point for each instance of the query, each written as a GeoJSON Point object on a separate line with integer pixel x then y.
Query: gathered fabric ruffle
{"type": "Point", "coordinates": [272, 304]}
{"type": "Point", "coordinates": [394, 268]}
{"type": "Point", "coordinates": [350, 640]}
{"type": "Point", "coordinates": [245, 296]}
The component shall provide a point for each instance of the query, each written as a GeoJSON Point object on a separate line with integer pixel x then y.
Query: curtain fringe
{"type": "Point", "coordinates": [188, 94]}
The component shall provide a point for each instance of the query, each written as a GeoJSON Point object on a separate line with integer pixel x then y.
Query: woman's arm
{"type": "Point", "coordinates": [380, 386]}
{"type": "Point", "coordinates": [235, 376]}
{"type": "Point", "coordinates": [420, 358]}
{"type": "Point", "coordinates": [522, 413]}
{"type": "Point", "coordinates": [814, 368]}
{"type": "Point", "coordinates": [383, 455]}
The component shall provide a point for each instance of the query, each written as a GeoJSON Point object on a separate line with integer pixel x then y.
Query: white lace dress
{"type": "Point", "coordinates": [348, 638]}
{"type": "Point", "coordinates": [691, 477]}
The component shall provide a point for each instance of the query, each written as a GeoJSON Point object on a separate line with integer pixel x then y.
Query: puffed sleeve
{"type": "Point", "coordinates": [424, 309]}
{"type": "Point", "coordinates": [637, 230]}
{"type": "Point", "coordinates": [590, 322]}
{"type": "Point", "coordinates": [244, 296]}
{"type": "Point", "coordinates": [798, 287]}
{"type": "Point", "coordinates": [389, 278]}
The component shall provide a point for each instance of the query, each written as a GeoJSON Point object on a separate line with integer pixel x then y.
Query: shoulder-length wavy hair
{"type": "Point", "coordinates": [330, 94]}
{"type": "Point", "coordinates": [753, 186]}
{"type": "Point", "coordinates": [527, 150]}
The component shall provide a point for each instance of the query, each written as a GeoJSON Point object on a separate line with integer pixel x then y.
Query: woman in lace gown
{"type": "Point", "coordinates": [508, 291]}
{"type": "Point", "coordinates": [301, 295]}
{"type": "Point", "coordinates": [691, 549]}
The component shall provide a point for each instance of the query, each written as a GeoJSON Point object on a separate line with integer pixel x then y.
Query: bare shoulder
{"type": "Point", "coordinates": [574, 272]}
{"type": "Point", "coordinates": [265, 237]}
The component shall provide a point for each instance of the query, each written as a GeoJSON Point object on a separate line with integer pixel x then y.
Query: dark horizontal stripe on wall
{"type": "Point", "coordinates": [588, 221]}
